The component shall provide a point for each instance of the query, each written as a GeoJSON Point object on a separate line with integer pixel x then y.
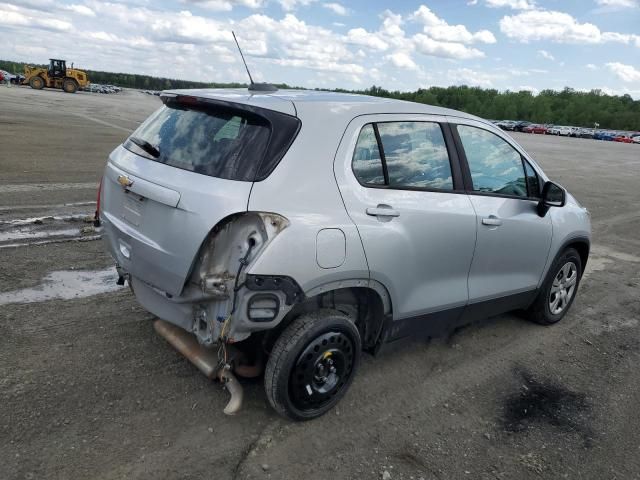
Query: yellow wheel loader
{"type": "Point", "coordinates": [56, 76]}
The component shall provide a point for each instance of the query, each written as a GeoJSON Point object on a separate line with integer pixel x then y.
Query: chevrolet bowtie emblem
{"type": "Point", "coordinates": [125, 181]}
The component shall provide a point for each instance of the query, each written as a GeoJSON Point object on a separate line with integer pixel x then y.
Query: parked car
{"type": "Point", "coordinates": [559, 130]}
{"type": "Point", "coordinates": [623, 138]}
{"type": "Point", "coordinates": [506, 125]}
{"type": "Point", "coordinates": [585, 133]}
{"type": "Point", "coordinates": [266, 237]}
{"type": "Point", "coordinates": [520, 126]}
{"type": "Point", "coordinates": [604, 135]}
{"type": "Point", "coordinates": [9, 77]}
{"type": "Point", "coordinates": [636, 138]}
{"type": "Point", "coordinates": [535, 129]}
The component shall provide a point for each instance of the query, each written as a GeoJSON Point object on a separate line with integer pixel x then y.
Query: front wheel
{"type": "Point", "coordinates": [70, 86]}
{"type": "Point", "coordinates": [312, 364]}
{"type": "Point", "coordinates": [558, 290]}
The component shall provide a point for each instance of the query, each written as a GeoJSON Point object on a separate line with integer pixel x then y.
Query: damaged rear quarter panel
{"type": "Point", "coordinates": [308, 196]}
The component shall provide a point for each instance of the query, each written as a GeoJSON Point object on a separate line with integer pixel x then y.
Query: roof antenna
{"type": "Point", "coordinates": [254, 87]}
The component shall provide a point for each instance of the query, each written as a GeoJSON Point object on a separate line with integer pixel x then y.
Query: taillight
{"type": "Point", "coordinates": [96, 216]}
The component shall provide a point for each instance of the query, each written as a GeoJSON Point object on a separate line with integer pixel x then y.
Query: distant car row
{"type": "Point", "coordinates": [98, 88]}
{"type": "Point", "coordinates": [565, 131]}
{"type": "Point", "coordinates": [12, 77]}
{"type": "Point", "coordinates": [151, 92]}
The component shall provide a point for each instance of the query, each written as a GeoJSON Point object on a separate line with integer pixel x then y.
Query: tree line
{"type": "Point", "coordinates": [565, 107]}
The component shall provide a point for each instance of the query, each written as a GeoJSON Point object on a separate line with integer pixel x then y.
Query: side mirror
{"type": "Point", "coordinates": [553, 195]}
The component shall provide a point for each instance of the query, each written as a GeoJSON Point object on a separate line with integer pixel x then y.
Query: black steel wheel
{"type": "Point", "coordinates": [312, 364]}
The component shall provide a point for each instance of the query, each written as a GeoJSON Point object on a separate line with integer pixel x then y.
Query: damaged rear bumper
{"type": "Point", "coordinates": [261, 304]}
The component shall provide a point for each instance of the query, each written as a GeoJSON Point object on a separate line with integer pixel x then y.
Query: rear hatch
{"type": "Point", "coordinates": [187, 167]}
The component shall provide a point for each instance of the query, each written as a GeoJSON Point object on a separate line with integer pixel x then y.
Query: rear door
{"type": "Point", "coordinates": [404, 192]}
{"type": "Point", "coordinates": [189, 166]}
{"type": "Point", "coordinates": [513, 241]}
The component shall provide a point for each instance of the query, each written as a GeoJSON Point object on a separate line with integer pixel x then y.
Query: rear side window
{"type": "Point", "coordinates": [495, 166]}
{"type": "Point", "coordinates": [367, 164]}
{"type": "Point", "coordinates": [403, 155]}
{"type": "Point", "coordinates": [416, 155]}
{"type": "Point", "coordinates": [215, 140]}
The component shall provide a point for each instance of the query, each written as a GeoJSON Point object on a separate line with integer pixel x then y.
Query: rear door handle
{"type": "Point", "coordinates": [382, 211]}
{"type": "Point", "coordinates": [492, 220]}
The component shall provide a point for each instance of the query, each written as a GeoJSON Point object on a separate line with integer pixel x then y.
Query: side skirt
{"type": "Point", "coordinates": [439, 324]}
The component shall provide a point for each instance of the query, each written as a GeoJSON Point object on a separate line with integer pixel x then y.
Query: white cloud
{"type": "Point", "coordinates": [439, 29]}
{"type": "Point", "coordinates": [359, 36]}
{"type": "Point", "coordinates": [558, 27]}
{"type": "Point", "coordinates": [337, 8]}
{"type": "Point", "coordinates": [290, 5]}
{"type": "Point", "coordinates": [224, 5]}
{"type": "Point", "coordinates": [626, 73]}
{"type": "Point", "coordinates": [293, 42]}
{"type": "Point", "coordinates": [591, 66]}
{"type": "Point", "coordinates": [513, 4]}
{"type": "Point", "coordinates": [467, 76]}
{"type": "Point", "coordinates": [545, 54]}
{"type": "Point", "coordinates": [402, 60]}
{"type": "Point", "coordinates": [618, 3]}
{"type": "Point", "coordinates": [12, 16]}
{"type": "Point", "coordinates": [81, 10]}
{"type": "Point", "coordinates": [429, 46]}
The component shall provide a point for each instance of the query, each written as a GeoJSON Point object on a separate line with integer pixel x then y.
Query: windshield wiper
{"type": "Point", "coordinates": [146, 146]}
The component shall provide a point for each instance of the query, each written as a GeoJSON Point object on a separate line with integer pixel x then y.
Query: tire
{"type": "Point", "coordinates": [37, 83]}
{"type": "Point", "coordinates": [542, 310]}
{"type": "Point", "coordinates": [70, 85]}
{"type": "Point", "coordinates": [312, 364]}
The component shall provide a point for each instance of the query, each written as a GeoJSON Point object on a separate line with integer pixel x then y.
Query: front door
{"type": "Point", "coordinates": [417, 225]}
{"type": "Point", "coordinates": [513, 240]}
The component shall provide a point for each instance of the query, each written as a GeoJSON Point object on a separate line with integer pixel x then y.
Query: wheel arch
{"type": "Point", "coordinates": [366, 302]}
{"type": "Point", "coordinates": [582, 245]}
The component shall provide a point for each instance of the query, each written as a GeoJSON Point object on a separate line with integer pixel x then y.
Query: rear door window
{"type": "Point", "coordinates": [403, 155]}
{"type": "Point", "coordinates": [416, 155]}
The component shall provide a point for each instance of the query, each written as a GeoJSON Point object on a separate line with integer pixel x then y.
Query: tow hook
{"type": "Point", "coordinates": [205, 359]}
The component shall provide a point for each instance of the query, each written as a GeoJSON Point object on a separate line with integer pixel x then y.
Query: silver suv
{"type": "Point", "coordinates": [292, 230]}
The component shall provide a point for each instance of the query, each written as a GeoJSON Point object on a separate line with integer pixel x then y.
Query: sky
{"type": "Point", "coordinates": [399, 45]}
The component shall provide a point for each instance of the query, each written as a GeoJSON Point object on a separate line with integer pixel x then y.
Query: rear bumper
{"type": "Point", "coordinates": [187, 311]}
{"type": "Point", "coordinates": [179, 314]}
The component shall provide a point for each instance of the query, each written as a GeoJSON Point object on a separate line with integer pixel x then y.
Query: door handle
{"type": "Point", "coordinates": [382, 211]}
{"type": "Point", "coordinates": [492, 220]}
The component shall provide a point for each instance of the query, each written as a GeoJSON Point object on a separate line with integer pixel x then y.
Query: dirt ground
{"type": "Point", "coordinates": [88, 390]}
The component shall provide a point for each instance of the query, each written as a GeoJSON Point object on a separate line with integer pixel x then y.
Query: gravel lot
{"type": "Point", "coordinates": [88, 390]}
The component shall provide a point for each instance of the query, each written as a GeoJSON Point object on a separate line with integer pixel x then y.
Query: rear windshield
{"type": "Point", "coordinates": [210, 140]}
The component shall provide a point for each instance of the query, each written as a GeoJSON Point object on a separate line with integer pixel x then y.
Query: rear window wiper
{"type": "Point", "coordinates": [146, 146]}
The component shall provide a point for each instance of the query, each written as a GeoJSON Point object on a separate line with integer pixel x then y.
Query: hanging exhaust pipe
{"type": "Point", "coordinates": [231, 383]}
{"type": "Point", "coordinates": [204, 359]}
